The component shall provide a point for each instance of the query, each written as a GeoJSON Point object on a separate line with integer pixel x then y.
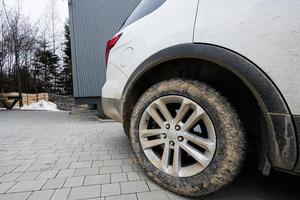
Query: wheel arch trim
{"type": "Point", "coordinates": [282, 150]}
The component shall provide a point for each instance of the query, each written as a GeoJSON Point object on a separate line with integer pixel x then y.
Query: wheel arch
{"type": "Point", "coordinates": [280, 139]}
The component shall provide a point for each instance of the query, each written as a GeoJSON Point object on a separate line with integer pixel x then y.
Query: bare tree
{"type": "Point", "coordinates": [3, 48]}
{"type": "Point", "coordinates": [21, 36]}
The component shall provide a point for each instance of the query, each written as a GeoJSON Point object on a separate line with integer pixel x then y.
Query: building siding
{"type": "Point", "coordinates": [92, 23]}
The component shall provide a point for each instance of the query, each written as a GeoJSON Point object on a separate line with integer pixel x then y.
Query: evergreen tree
{"type": "Point", "coordinates": [66, 73]}
{"type": "Point", "coordinates": [46, 64]}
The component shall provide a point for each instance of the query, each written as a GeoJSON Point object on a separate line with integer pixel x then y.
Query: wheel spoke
{"type": "Point", "coordinates": [155, 116]}
{"type": "Point", "coordinates": [193, 119]}
{"type": "Point", "coordinates": [165, 157]}
{"type": "Point", "coordinates": [177, 160]}
{"type": "Point", "coordinates": [152, 143]}
{"type": "Point", "coordinates": [202, 142]}
{"type": "Point", "coordinates": [150, 132]}
{"type": "Point", "coordinates": [197, 155]}
{"type": "Point", "coordinates": [182, 111]}
{"type": "Point", "coordinates": [164, 110]}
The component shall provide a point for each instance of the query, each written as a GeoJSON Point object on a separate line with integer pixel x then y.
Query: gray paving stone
{"type": "Point", "coordinates": [48, 174]}
{"type": "Point", "coordinates": [110, 189]}
{"type": "Point", "coordinates": [152, 186]}
{"type": "Point", "coordinates": [87, 171]}
{"type": "Point", "coordinates": [5, 186]}
{"type": "Point", "coordinates": [112, 162]}
{"type": "Point", "coordinates": [15, 196]}
{"type": "Point", "coordinates": [133, 176]}
{"type": "Point", "coordinates": [38, 195]}
{"type": "Point", "coordinates": [39, 167]}
{"type": "Point", "coordinates": [21, 168]}
{"type": "Point", "coordinates": [97, 163]}
{"type": "Point", "coordinates": [85, 192]}
{"type": "Point", "coordinates": [112, 169]}
{"type": "Point", "coordinates": [61, 166]}
{"type": "Point", "coordinates": [7, 169]}
{"type": "Point", "coordinates": [124, 197]}
{"type": "Point", "coordinates": [61, 194]}
{"type": "Point", "coordinates": [127, 168]}
{"type": "Point", "coordinates": [134, 186]}
{"type": "Point", "coordinates": [161, 195]}
{"type": "Point", "coordinates": [97, 179]}
{"type": "Point", "coordinates": [120, 177]}
{"type": "Point", "coordinates": [10, 177]}
{"type": "Point", "coordinates": [75, 165]}
{"type": "Point", "coordinates": [74, 181]}
{"type": "Point", "coordinates": [28, 176]}
{"type": "Point", "coordinates": [55, 183]}
{"type": "Point", "coordinates": [65, 173]}
{"type": "Point", "coordinates": [25, 186]}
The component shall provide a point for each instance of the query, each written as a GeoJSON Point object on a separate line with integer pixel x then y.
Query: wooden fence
{"type": "Point", "coordinates": [26, 98]}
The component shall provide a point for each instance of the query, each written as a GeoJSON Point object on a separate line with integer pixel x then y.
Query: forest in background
{"type": "Point", "coordinates": [32, 60]}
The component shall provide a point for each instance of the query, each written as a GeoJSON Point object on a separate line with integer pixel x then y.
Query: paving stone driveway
{"type": "Point", "coordinates": [48, 155]}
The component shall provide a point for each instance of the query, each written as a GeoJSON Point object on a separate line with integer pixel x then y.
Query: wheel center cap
{"type": "Point", "coordinates": [172, 135]}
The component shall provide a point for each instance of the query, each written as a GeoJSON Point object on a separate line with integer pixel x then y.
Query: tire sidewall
{"type": "Point", "coordinates": [225, 123]}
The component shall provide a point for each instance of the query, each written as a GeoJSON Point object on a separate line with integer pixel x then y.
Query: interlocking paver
{"type": "Point", "coordinates": [85, 192]}
{"type": "Point", "coordinates": [86, 171]}
{"type": "Point", "coordinates": [133, 176]}
{"type": "Point", "coordinates": [64, 165]}
{"type": "Point", "coordinates": [65, 173]}
{"type": "Point", "coordinates": [97, 179]}
{"type": "Point", "coordinates": [25, 186]}
{"type": "Point", "coordinates": [15, 196]}
{"type": "Point", "coordinates": [55, 183]}
{"type": "Point", "coordinates": [38, 195]}
{"type": "Point", "coordinates": [47, 174]}
{"type": "Point", "coordinates": [120, 177]}
{"type": "Point", "coordinates": [134, 186]}
{"type": "Point", "coordinates": [7, 169]}
{"type": "Point", "coordinates": [110, 189]}
{"type": "Point", "coordinates": [112, 162]}
{"type": "Point", "coordinates": [5, 186]}
{"type": "Point", "coordinates": [161, 195]}
{"type": "Point", "coordinates": [152, 186]}
{"type": "Point", "coordinates": [9, 177]}
{"type": "Point", "coordinates": [28, 176]}
{"type": "Point", "coordinates": [52, 142]}
{"type": "Point", "coordinates": [61, 194]}
{"type": "Point", "coordinates": [123, 197]}
{"type": "Point", "coordinates": [80, 164]}
{"type": "Point", "coordinates": [112, 169]}
{"type": "Point", "coordinates": [74, 181]}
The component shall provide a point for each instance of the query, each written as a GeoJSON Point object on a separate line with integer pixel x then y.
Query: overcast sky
{"type": "Point", "coordinates": [38, 9]}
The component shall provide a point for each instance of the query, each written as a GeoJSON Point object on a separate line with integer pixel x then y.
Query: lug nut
{"type": "Point", "coordinates": [172, 143]}
{"type": "Point", "coordinates": [164, 135]}
{"type": "Point", "coordinates": [180, 138]}
{"type": "Point", "coordinates": [167, 126]}
{"type": "Point", "coordinates": [177, 127]}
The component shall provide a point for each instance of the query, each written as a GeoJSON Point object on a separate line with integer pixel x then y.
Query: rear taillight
{"type": "Point", "coordinates": [110, 44]}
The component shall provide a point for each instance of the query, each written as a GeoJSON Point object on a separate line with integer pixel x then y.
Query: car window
{"type": "Point", "coordinates": [144, 8]}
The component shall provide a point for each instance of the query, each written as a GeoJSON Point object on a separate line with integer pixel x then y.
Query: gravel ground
{"type": "Point", "coordinates": [54, 155]}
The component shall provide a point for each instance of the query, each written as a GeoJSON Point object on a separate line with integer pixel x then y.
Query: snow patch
{"type": "Point", "coordinates": [41, 106]}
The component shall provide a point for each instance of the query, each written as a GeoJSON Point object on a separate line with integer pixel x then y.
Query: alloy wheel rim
{"type": "Point", "coordinates": [177, 136]}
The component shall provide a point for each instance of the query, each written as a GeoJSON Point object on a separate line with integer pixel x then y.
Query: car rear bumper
{"type": "Point", "coordinates": [112, 108]}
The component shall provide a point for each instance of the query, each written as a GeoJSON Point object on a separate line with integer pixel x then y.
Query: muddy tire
{"type": "Point", "coordinates": [188, 180]}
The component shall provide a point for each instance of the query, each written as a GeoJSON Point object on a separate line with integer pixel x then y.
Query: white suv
{"type": "Point", "coordinates": [199, 83]}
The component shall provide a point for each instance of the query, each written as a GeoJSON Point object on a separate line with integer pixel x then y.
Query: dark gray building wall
{"type": "Point", "coordinates": [92, 23]}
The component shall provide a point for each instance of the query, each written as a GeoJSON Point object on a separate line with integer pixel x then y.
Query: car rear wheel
{"type": "Point", "coordinates": [187, 137]}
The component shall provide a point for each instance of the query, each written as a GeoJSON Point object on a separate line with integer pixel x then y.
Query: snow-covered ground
{"type": "Point", "coordinates": [41, 106]}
